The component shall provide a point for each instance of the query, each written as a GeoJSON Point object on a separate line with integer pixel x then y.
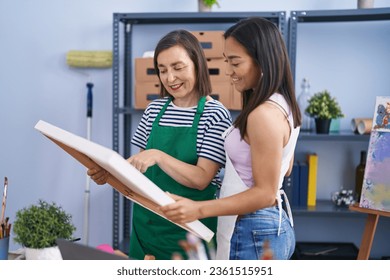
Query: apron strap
{"type": "Point", "coordinates": [289, 212]}
{"type": "Point", "coordinates": [198, 114]}
{"type": "Point", "coordinates": [199, 111]}
{"type": "Point", "coordinates": [162, 111]}
{"type": "Point", "coordinates": [227, 131]}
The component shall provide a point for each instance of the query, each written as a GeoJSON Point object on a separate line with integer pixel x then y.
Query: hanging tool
{"type": "Point", "coordinates": [87, 185]}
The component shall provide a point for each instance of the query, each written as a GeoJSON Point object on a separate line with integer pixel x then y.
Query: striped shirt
{"type": "Point", "coordinates": [213, 122]}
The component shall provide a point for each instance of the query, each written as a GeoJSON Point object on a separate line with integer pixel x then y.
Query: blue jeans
{"type": "Point", "coordinates": [252, 230]}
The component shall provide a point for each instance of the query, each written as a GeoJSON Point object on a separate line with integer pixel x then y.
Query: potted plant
{"type": "Point", "coordinates": [37, 228]}
{"type": "Point", "coordinates": [323, 108]}
{"type": "Point", "coordinates": [205, 5]}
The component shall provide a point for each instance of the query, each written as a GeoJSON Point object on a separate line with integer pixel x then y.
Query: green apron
{"type": "Point", "coordinates": [152, 234]}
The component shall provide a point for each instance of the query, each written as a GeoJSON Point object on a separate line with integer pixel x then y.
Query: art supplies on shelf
{"type": "Point", "coordinates": [5, 225]}
{"type": "Point", "coordinates": [361, 125]}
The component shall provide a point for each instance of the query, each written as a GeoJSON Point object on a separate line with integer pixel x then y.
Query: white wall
{"type": "Point", "coordinates": [36, 83]}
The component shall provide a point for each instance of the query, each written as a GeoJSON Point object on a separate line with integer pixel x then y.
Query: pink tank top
{"type": "Point", "coordinates": [239, 151]}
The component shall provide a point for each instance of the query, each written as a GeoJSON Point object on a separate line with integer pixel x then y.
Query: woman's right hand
{"type": "Point", "coordinates": [98, 175]}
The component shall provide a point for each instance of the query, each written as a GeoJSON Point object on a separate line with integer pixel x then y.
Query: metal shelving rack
{"type": "Point", "coordinates": [334, 136]}
{"type": "Point", "coordinates": [299, 17]}
{"type": "Point", "coordinates": [124, 96]}
{"type": "Point", "coordinates": [322, 16]}
{"type": "Point", "coordinates": [325, 213]}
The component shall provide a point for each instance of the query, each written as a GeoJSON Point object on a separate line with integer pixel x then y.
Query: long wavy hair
{"type": "Point", "coordinates": [264, 43]}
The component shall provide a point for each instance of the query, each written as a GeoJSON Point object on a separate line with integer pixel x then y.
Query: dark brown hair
{"type": "Point", "coordinates": [194, 50]}
{"type": "Point", "coordinates": [264, 43]}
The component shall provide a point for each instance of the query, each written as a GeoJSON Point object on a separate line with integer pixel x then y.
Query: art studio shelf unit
{"type": "Point", "coordinates": [347, 53]}
{"type": "Point", "coordinates": [134, 34]}
{"type": "Point", "coordinates": [344, 51]}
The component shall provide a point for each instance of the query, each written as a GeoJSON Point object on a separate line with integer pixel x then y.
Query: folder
{"type": "Point", "coordinates": [312, 160]}
{"type": "Point", "coordinates": [291, 186]}
{"type": "Point", "coordinates": [303, 183]}
{"type": "Point", "coordinates": [123, 176]}
{"type": "Point", "coordinates": [295, 185]}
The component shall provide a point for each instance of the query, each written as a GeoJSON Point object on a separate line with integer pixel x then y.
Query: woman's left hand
{"type": "Point", "coordinates": [184, 210]}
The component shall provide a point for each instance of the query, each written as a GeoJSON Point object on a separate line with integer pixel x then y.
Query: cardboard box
{"type": "Point", "coordinates": [217, 70]}
{"type": "Point", "coordinates": [212, 42]}
{"type": "Point", "coordinates": [221, 91]}
{"type": "Point", "coordinates": [145, 92]}
{"type": "Point", "coordinates": [144, 70]}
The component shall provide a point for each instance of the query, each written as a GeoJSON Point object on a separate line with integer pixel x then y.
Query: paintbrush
{"type": "Point", "coordinates": [4, 200]}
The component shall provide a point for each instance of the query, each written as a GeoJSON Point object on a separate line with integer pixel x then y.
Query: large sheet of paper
{"type": "Point", "coordinates": [123, 176]}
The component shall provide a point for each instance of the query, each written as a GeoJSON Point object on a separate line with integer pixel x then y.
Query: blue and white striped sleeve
{"type": "Point", "coordinates": [212, 146]}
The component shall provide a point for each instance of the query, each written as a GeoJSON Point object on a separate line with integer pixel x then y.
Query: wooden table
{"type": "Point", "coordinates": [369, 229]}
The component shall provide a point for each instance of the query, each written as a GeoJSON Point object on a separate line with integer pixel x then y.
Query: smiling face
{"type": "Point", "coordinates": [241, 68]}
{"type": "Point", "coordinates": [177, 74]}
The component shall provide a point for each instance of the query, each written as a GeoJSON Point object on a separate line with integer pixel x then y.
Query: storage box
{"type": "Point", "coordinates": [144, 70]}
{"type": "Point", "coordinates": [217, 69]}
{"type": "Point", "coordinates": [144, 93]}
{"type": "Point", "coordinates": [221, 91]}
{"type": "Point", "coordinates": [212, 42]}
{"type": "Point", "coordinates": [325, 251]}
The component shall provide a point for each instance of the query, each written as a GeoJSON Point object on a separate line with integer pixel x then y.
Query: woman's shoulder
{"type": "Point", "coordinates": [159, 102]}
{"type": "Point", "coordinates": [215, 107]}
{"type": "Point", "coordinates": [281, 100]}
{"type": "Point", "coordinates": [155, 104]}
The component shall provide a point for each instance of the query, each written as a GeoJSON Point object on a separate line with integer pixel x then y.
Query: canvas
{"type": "Point", "coordinates": [122, 176]}
{"type": "Point", "coordinates": [376, 183]}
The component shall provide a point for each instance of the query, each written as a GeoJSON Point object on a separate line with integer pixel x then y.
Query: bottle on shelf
{"type": "Point", "coordinates": [303, 101]}
{"type": "Point", "coordinates": [360, 174]}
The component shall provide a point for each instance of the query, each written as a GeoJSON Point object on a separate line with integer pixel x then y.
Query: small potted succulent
{"type": "Point", "coordinates": [37, 228]}
{"type": "Point", "coordinates": [323, 108]}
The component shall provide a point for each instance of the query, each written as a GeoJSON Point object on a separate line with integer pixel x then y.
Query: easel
{"type": "Point", "coordinates": [369, 229]}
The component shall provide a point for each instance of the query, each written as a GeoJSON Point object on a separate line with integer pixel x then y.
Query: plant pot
{"type": "Point", "coordinates": [203, 7]}
{"type": "Point", "coordinates": [365, 4]}
{"type": "Point", "coordinates": [51, 253]}
{"type": "Point", "coordinates": [322, 126]}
